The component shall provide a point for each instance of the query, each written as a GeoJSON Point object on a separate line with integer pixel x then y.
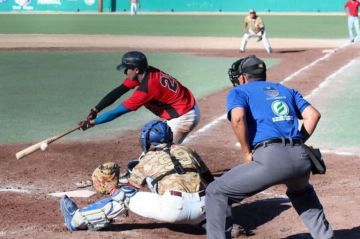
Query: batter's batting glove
{"type": "Point", "coordinates": [86, 124]}
{"type": "Point", "coordinates": [92, 115]}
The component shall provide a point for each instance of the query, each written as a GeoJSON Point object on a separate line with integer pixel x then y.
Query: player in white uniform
{"type": "Point", "coordinates": [175, 174]}
{"type": "Point", "coordinates": [254, 28]}
{"type": "Point", "coordinates": [134, 5]}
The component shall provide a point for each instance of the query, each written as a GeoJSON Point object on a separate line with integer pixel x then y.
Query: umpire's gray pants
{"type": "Point", "coordinates": [272, 164]}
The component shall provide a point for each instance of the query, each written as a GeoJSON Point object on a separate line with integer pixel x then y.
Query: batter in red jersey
{"type": "Point", "coordinates": [159, 92]}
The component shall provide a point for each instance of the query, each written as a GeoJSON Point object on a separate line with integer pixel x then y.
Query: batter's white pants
{"type": "Point", "coordinates": [182, 126]}
{"type": "Point", "coordinates": [189, 208]}
{"type": "Point", "coordinates": [353, 22]}
{"type": "Point", "coordinates": [133, 8]}
{"type": "Point", "coordinates": [251, 34]}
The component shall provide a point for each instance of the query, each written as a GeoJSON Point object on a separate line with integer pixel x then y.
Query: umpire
{"type": "Point", "coordinates": [264, 117]}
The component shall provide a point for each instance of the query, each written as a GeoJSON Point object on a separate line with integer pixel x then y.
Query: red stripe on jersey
{"type": "Point", "coordinates": [162, 94]}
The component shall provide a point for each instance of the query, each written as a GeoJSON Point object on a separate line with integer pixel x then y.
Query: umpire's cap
{"type": "Point", "coordinates": [133, 59]}
{"type": "Point", "coordinates": [248, 65]}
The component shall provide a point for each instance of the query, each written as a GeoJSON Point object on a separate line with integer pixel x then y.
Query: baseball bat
{"type": "Point", "coordinates": [35, 147]}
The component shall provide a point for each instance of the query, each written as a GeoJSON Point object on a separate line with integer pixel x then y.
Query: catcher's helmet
{"type": "Point", "coordinates": [133, 59]}
{"type": "Point", "coordinates": [154, 133]}
{"type": "Point", "coordinates": [249, 65]}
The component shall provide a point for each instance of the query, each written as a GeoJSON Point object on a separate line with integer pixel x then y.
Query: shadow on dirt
{"type": "Point", "coordinates": [353, 233]}
{"type": "Point", "coordinates": [291, 51]}
{"type": "Point", "coordinates": [188, 229]}
{"type": "Point", "coordinates": [254, 214]}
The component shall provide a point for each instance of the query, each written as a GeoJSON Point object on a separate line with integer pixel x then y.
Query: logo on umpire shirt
{"type": "Point", "coordinates": [281, 109]}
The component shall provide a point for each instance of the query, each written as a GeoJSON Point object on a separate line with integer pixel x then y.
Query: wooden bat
{"type": "Point", "coordinates": [35, 147]}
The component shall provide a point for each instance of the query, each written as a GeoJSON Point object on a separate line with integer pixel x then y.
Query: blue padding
{"type": "Point", "coordinates": [112, 114]}
{"type": "Point", "coordinates": [97, 205]}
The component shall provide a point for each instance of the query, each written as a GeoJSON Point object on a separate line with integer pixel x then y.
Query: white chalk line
{"type": "Point", "coordinates": [14, 190]}
{"type": "Point", "coordinates": [289, 78]}
{"type": "Point", "coordinates": [329, 78]}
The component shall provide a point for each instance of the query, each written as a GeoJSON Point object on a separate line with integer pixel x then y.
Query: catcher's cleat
{"type": "Point", "coordinates": [68, 209]}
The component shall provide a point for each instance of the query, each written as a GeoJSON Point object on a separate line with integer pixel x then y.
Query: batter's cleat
{"type": "Point", "coordinates": [68, 209]}
{"type": "Point", "coordinates": [241, 51]}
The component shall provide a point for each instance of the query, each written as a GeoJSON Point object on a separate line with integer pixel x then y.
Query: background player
{"type": "Point", "coordinates": [264, 117]}
{"type": "Point", "coordinates": [134, 5]}
{"type": "Point", "coordinates": [159, 92]}
{"type": "Point", "coordinates": [254, 27]}
{"type": "Point", "coordinates": [353, 19]}
{"type": "Point", "coordinates": [175, 174]}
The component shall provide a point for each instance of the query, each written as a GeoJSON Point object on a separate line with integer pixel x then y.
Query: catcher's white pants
{"type": "Point", "coordinates": [354, 22]}
{"type": "Point", "coordinates": [187, 208]}
{"type": "Point", "coordinates": [182, 126]}
{"type": "Point", "coordinates": [133, 8]}
{"type": "Point", "coordinates": [252, 34]}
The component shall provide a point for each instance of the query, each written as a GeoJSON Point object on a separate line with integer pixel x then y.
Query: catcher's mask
{"type": "Point", "coordinates": [249, 65]}
{"type": "Point", "coordinates": [154, 133]}
{"type": "Point", "coordinates": [132, 60]}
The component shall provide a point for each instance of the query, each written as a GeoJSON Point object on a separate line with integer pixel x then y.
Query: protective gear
{"type": "Point", "coordinates": [86, 124]}
{"type": "Point", "coordinates": [248, 65]}
{"type": "Point", "coordinates": [133, 59]}
{"type": "Point", "coordinates": [152, 186]}
{"type": "Point", "coordinates": [132, 164]}
{"type": "Point", "coordinates": [68, 209]}
{"type": "Point", "coordinates": [105, 177]}
{"type": "Point", "coordinates": [98, 215]}
{"type": "Point", "coordinates": [154, 133]}
{"type": "Point", "coordinates": [92, 115]}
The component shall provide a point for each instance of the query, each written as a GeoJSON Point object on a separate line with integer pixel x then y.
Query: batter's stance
{"type": "Point", "coordinates": [264, 117]}
{"type": "Point", "coordinates": [159, 92]}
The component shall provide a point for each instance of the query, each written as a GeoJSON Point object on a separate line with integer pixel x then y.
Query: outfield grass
{"type": "Point", "coordinates": [172, 25]}
{"type": "Point", "coordinates": [43, 93]}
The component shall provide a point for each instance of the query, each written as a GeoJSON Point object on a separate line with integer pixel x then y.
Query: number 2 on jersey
{"type": "Point", "coordinates": [167, 81]}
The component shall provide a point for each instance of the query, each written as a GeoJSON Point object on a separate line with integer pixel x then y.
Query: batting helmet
{"type": "Point", "coordinates": [154, 133]}
{"type": "Point", "coordinates": [133, 59]}
{"type": "Point", "coordinates": [249, 65]}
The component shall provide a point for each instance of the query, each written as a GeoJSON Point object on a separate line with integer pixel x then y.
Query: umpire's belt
{"type": "Point", "coordinates": [179, 194]}
{"type": "Point", "coordinates": [278, 141]}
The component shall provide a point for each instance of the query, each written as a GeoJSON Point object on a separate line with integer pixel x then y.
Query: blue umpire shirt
{"type": "Point", "coordinates": [272, 110]}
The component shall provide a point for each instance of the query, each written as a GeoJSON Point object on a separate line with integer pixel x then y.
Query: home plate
{"type": "Point", "coordinates": [74, 194]}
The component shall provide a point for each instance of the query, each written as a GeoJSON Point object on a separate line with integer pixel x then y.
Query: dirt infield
{"type": "Point", "coordinates": [269, 215]}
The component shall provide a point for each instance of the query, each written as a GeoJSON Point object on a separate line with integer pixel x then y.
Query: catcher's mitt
{"type": "Point", "coordinates": [105, 177]}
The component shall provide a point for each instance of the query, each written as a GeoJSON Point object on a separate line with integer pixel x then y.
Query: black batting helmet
{"type": "Point", "coordinates": [133, 59]}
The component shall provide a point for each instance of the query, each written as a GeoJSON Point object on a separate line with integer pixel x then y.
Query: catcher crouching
{"type": "Point", "coordinates": [175, 174]}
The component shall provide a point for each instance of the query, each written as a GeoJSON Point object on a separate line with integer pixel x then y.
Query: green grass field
{"type": "Point", "coordinates": [172, 25]}
{"type": "Point", "coordinates": [339, 104]}
{"type": "Point", "coordinates": [43, 93]}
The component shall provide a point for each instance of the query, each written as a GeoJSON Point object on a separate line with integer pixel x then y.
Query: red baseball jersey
{"type": "Point", "coordinates": [353, 7]}
{"type": "Point", "coordinates": [161, 93]}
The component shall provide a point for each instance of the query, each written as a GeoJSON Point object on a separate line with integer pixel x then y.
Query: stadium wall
{"type": "Point", "coordinates": [174, 5]}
